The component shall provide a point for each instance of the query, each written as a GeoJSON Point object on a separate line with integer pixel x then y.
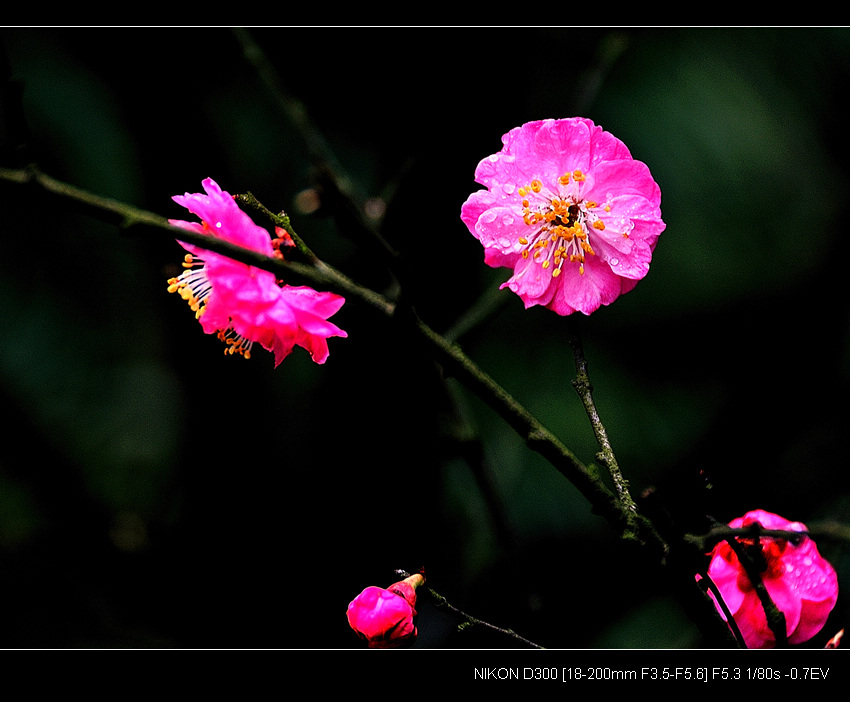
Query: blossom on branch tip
{"type": "Point", "coordinates": [243, 304]}
{"type": "Point", "coordinates": [800, 582]}
{"type": "Point", "coordinates": [569, 210]}
{"type": "Point", "coordinates": [385, 618]}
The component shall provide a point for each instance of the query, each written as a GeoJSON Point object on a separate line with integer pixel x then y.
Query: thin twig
{"type": "Point", "coordinates": [441, 602]}
{"type": "Point", "coordinates": [709, 584]}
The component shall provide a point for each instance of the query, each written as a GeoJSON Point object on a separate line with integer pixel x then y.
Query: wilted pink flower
{"type": "Point", "coordinates": [801, 583]}
{"type": "Point", "coordinates": [242, 304]}
{"type": "Point", "coordinates": [569, 210]}
{"type": "Point", "coordinates": [386, 618]}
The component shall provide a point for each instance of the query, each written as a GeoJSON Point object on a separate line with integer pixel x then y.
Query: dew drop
{"type": "Point", "coordinates": [614, 261]}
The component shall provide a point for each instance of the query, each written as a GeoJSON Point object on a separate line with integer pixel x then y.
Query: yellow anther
{"type": "Point", "coordinates": [523, 240]}
{"type": "Point", "coordinates": [536, 185]}
{"type": "Point", "coordinates": [522, 193]}
{"type": "Point", "coordinates": [599, 224]}
{"type": "Point", "coordinates": [545, 263]}
{"type": "Point", "coordinates": [564, 179]}
{"type": "Point", "coordinates": [556, 272]}
{"type": "Point", "coordinates": [578, 175]}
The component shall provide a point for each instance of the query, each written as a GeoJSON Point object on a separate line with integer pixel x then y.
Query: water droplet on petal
{"type": "Point", "coordinates": [614, 261]}
{"type": "Point", "coordinates": [507, 220]}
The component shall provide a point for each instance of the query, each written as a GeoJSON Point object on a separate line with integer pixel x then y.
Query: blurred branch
{"type": "Point", "coordinates": [337, 187]}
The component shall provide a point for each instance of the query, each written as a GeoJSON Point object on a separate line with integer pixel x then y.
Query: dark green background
{"type": "Point", "coordinates": [155, 493]}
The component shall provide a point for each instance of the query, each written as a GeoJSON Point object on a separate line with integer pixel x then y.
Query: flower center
{"type": "Point", "coordinates": [561, 221]}
{"type": "Point", "coordinates": [194, 286]}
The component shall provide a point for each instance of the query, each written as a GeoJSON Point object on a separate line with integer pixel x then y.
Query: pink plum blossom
{"type": "Point", "coordinates": [243, 304]}
{"type": "Point", "coordinates": [801, 583]}
{"type": "Point", "coordinates": [569, 210]}
{"type": "Point", "coordinates": [385, 618]}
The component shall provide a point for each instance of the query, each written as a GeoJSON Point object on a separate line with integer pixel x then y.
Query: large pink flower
{"type": "Point", "coordinates": [242, 304]}
{"type": "Point", "coordinates": [801, 583]}
{"type": "Point", "coordinates": [386, 618]}
{"type": "Point", "coordinates": [569, 210]}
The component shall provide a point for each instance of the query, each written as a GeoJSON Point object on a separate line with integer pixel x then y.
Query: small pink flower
{"type": "Point", "coordinates": [242, 304]}
{"type": "Point", "coordinates": [386, 618]}
{"type": "Point", "coordinates": [569, 210]}
{"type": "Point", "coordinates": [801, 583]}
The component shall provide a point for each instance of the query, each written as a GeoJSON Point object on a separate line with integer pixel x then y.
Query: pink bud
{"type": "Point", "coordinates": [385, 617]}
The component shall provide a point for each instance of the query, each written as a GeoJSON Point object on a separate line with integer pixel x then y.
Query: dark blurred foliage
{"type": "Point", "coordinates": [156, 493]}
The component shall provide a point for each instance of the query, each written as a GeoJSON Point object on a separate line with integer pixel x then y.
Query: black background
{"type": "Point", "coordinates": [155, 493]}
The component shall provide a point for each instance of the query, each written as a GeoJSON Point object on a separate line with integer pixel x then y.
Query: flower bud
{"type": "Point", "coordinates": [385, 618]}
